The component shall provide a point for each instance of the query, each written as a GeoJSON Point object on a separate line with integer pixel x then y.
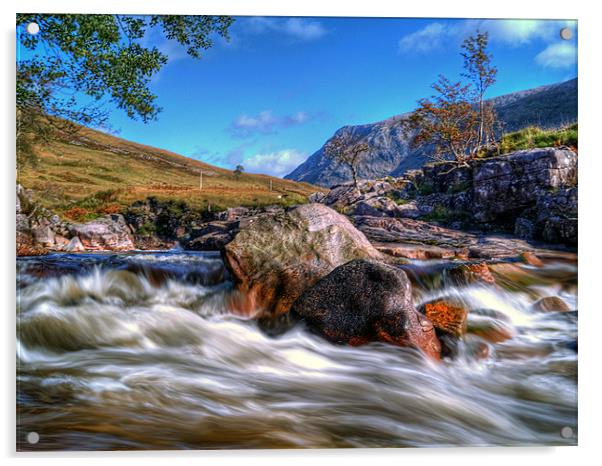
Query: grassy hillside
{"type": "Point", "coordinates": [532, 137]}
{"type": "Point", "coordinates": [92, 173]}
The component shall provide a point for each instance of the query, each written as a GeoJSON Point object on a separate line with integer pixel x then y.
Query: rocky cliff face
{"type": "Point", "coordinates": [391, 154]}
{"type": "Point", "coordinates": [531, 193]}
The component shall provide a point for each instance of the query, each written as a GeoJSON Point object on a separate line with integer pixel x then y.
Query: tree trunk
{"type": "Point", "coordinates": [354, 174]}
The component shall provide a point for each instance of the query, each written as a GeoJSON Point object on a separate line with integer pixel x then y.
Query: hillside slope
{"type": "Point", "coordinates": [74, 171]}
{"type": "Point", "coordinates": [391, 154]}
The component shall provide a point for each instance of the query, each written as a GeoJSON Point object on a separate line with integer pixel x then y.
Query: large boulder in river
{"type": "Point", "coordinates": [106, 233]}
{"type": "Point", "coordinates": [365, 301]}
{"type": "Point", "coordinates": [276, 256]}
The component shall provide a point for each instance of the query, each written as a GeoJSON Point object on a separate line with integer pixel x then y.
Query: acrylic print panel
{"type": "Point", "coordinates": [273, 232]}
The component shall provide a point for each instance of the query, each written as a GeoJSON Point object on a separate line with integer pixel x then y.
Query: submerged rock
{"type": "Point", "coordinates": [530, 258]}
{"type": "Point", "coordinates": [551, 304]}
{"type": "Point", "coordinates": [365, 301]}
{"type": "Point", "coordinates": [276, 256]}
{"type": "Point", "coordinates": [491, 326]}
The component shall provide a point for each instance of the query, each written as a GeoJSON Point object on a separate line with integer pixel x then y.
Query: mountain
{"type": "Point", "coordinates": [89, 172]}
{"type": "Point", "coordinates": [546, 106]}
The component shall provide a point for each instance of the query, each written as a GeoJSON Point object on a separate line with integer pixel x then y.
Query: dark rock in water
{"type": "Point", "coordinates": [276, 256]}
{"type": "Point", "coordinates": [551, 304]}
{"type": "Point", "coordinates": [476, 348]}
{"type": "Point", "coordinates": [572, 345]}
{"type": "Point", "coordinates": [365, 301]}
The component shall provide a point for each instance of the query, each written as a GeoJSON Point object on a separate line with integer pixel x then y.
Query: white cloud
{"type": "Point", "coordinates": [278, 163]}
{"type": "Point", "coordinates": [558, 55]}
{"type": "Point", "coordinates": [297, 28]}
{"type": "Point", "coordinates": [515, 32]}
{"type": "Point", "coordinates": [510, 32]}
{"type": "Point", "coordinates": [263, 122]}
{"type": "Point", "coordinates": [304, 29]}
{"type": "Point", "coordinates": [266, 122]}
{"type": "Point", "coordinates": [424, 40]}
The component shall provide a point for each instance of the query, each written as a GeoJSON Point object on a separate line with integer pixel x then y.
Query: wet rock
{"type": "Point", "coordinates": [476, 348]}
{"type": "Point", "coordinates": [551, 304]}
{"type": "Point", "coordinates": [491, 329]}
{"type": "Point", "coordinates": [531, 259]}
{"type": "Point", "coordinates": [467, 274]}
{"type": "Point", "coordinates": [365, 301]}
{"type": "Point", "coordinates": [447, 315]}
{"type": "Point", "coordinates": [383, 230]}
{"type": "Point", "coordinates": [106, 233]}
{"type": "Point", "coordinates": [418, 252]}
{"type": "Point", "coordinates": [276, 256]}
{"type": "Point", "coordinates": [517, 277]}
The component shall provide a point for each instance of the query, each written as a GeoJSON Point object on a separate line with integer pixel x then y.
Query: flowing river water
{"type": "Point", "coordinates": [138, 351]}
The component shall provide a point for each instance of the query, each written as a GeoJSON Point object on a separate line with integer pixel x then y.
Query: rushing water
{"type": "Point", "coordinates": [137, 351]}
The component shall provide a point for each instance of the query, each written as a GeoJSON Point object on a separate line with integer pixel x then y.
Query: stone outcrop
{"type": "Point", "coordinates": [276, 256]}
{"type": "Point", "coordinates": [507, 185]}
{"type": "Point", "coordinates": [105, 233]}
{"type": "Point", "coordinates": [40, 231]}
{"type": "Point", "coordinates": [530, 193]}
{"type": "Point", "coordinates": [424, 240]}
{"type": "Point", "coordinates": [363, 301]}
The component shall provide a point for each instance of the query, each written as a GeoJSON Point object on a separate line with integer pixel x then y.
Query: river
{"type": "Point", "coordinates": [138, 351]}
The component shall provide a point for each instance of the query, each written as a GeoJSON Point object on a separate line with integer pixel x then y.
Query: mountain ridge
{"type": "Point", "coordinates": [545, 106]}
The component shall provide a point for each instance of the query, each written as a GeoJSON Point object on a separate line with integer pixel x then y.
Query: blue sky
{"type": "Point", "coordinates": [272, 95]}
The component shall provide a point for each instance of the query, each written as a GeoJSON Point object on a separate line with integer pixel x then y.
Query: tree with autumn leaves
{"type": "Point", "coordinates": [348, 150]}
{"type": "Point", "coordinates": [456, 120]}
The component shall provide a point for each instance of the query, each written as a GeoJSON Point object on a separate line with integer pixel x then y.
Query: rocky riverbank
{"type": "Point", "coordinates": [343, 263]}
